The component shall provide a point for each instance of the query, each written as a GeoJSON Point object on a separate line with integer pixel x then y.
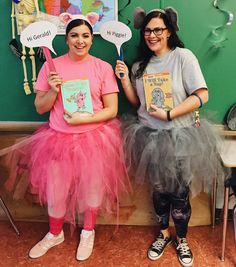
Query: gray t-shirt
{"type": "Point", "coordinates": [186, 77]}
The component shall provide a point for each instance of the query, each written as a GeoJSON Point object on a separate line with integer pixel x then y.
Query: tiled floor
{"type": "Point", "coordinates": [126, 248]}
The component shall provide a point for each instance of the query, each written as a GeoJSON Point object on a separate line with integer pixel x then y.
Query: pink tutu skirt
{"type": "Point", "coordinates": [70, 172]}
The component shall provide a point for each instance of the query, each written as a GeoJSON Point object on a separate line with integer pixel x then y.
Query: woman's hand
{"type": "Point", "coordinates": [54, 81]}
{"type": "Point", "coordinates": [158, 113]}
{"type": "Point", "coordinates": [44, 101]}
{"type": "Point", "coordinates": [76, 118]}
{"type": "Point", "coordinates": [121, 68]}
{"type": "Point", "coordinates": [130, 93]}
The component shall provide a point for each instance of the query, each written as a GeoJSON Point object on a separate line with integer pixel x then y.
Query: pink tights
{"type": "Point", "coordinates": [55, 225]}
{"type": "Point", "coordinates": [90, 216]}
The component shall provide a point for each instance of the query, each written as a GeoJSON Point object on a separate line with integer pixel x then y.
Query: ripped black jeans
{"type": "Point", "coordinates": [176, 204]}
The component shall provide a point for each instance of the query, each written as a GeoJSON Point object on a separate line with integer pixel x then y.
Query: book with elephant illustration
{"type": "Point", "coordinates": [76, 96]}
{"type": "Point", "coordinates": [157, 89]}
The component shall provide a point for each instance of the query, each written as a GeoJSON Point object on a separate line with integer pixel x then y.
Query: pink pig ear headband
{"type": "Point", "coordinates": [140, 14]}
{"type": "Point", "coordinates": [92, 18]}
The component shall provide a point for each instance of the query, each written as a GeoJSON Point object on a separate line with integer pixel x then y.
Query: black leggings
{"type": "Point", "coordinates": [180, 209]}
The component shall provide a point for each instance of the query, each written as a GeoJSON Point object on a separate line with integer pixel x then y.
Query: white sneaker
{"type": "Point", "coordinates": [85, 247]}
{"type": "Point", "coordinates": [45, 244]}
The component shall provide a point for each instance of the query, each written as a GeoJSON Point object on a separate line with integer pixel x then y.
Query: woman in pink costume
{"type": "Point", "coordinates": [75, 163]}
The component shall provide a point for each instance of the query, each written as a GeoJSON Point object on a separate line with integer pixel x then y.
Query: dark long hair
{"type": "Point", "coordinates": [78, 22]}
{"type": "Point", "coordinates": [144, 53]}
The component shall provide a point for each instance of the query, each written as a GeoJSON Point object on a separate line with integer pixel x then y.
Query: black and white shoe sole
{"type": "Point", "coordinates": [186, 264]}
{"type": "Point", "coordinates": [153, 258]}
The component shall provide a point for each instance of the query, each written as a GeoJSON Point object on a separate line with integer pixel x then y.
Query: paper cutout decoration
{"type": "Point", "coordinates": [116, 32]}
{"type": "Point", "coordinates": [40, 34]}
{"type": "Point", "coordinates": [218, 34]}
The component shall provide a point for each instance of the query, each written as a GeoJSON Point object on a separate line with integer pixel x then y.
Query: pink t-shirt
{"type": "Point", "coordinates": [101, 81]}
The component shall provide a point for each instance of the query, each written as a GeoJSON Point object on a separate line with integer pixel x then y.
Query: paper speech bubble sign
{"type": "Point", "coordinates": [39, 33]}
{"type": "Point", "coordinates": [115, 32]}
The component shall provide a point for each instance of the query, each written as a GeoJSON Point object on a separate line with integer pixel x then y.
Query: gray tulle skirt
{"type": "Point", "coordinates": [172, 160]}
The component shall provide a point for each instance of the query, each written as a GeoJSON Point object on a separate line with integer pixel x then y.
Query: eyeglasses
{"type": "Point", "coordinates": [156, 31]}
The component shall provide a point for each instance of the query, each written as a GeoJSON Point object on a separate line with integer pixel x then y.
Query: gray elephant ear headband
{"type": "Point", "coordinates": [170, 12]}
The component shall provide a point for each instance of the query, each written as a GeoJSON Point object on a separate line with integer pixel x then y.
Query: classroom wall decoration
{"type": "Point", "coordinates": [25, 12]}
{"type": "Point", "coordinates": [51, 9]}
{"type": "Point", "coordinates": [218, 34]}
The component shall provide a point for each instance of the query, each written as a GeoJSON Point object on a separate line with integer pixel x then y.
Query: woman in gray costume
{"type": "Point", "coordinates": [164, 145]}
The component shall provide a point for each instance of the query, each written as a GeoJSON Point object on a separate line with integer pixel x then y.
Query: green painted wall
{"type": "Point", "coordinates": [196, 20]}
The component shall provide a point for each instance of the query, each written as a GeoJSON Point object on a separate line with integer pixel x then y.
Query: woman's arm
{"type": "Point", "coordinates": [110, 102]}
{"type": "Point", "coordinates": [126, 83]}
{"type": "Point", "coordinates": [190, 104]}
{"type": "Point", "coordinates": [44, 101]}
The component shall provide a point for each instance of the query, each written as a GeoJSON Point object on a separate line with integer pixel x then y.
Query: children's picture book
{"type": "Point", "coordinates": [76, 96]}
{"type": "Point", "coordinates": [157, 89]}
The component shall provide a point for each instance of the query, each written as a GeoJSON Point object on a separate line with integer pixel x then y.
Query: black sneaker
{"type": "Point", "coordinates": [184, 253]}
{"type": "Point", "coordinates": [157, 248]}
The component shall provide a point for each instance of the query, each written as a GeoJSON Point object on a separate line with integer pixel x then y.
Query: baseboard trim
{"type": "Point", "coordinates": [19, 126]}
